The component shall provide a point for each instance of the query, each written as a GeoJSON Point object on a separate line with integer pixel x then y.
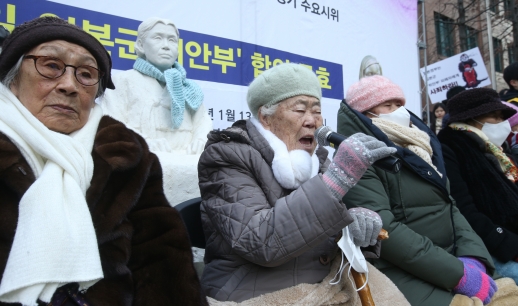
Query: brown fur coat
{"type": "Point", "coordinates": [144, 247]}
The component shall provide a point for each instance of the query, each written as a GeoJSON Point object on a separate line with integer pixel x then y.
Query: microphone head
{"type": "Point", "coordinates": [321, 135]}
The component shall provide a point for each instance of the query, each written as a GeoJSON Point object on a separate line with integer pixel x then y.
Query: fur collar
{"type": "Point", "coordinates": [290, 168]}
{"type": "Point", "coordinates": [117, 145]}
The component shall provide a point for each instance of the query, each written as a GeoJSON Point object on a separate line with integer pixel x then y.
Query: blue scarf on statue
{"type": "Point", "coordinates": [181, 90]}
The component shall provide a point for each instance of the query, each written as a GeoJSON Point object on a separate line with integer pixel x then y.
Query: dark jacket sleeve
{"type": "Point", "coordinates": [265, 230]}
{"type": "Point", "coordinates": [500, 242]}
{"type": "Point", "coordinates": [468, 243]}
{"type": "Point", "coordinates": [161, 259]}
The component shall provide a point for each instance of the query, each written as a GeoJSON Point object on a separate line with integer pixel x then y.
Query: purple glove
{"type": "Point", "coordinates": [353, 157]}
{"type": "Point", "coordinates": [475, 281]}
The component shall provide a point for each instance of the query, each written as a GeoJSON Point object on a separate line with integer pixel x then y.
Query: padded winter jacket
{"type": "Point", "coordinates": [261, 237]}
{"type": "Point", "coordinates": [427, 232]}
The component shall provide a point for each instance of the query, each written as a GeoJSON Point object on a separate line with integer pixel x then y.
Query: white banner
{"type": "Point", "coordinates": [225, 44]}
{"type": "Point", "coordinates": [466, 69]}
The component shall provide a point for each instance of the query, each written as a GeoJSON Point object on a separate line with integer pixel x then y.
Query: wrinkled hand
{"type": "Point", "coordinates": [366, 226]}
{"type": "Point", "coordinates": [475, 282]}
{"type": "Point", "coordinates": [353, 157]}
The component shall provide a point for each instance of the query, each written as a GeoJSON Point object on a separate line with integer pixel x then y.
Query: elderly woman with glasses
{"type": "Point", "coordinates": [83, 218]}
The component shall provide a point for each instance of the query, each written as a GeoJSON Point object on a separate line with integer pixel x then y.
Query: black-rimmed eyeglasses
{"type": "Point", "coordinates": [52, 68]}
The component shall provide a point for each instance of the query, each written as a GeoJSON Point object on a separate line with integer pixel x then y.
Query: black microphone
{"type": "Point", "coordinates": [326, 137]}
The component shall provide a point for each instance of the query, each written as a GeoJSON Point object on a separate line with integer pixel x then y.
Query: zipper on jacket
{"type": "Point", "coordinates": [401, 196]}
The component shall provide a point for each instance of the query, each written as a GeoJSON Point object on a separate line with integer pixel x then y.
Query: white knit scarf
{"type": "Point", "coordinates": [292, 168]}
{"type": "Point", "coordinates": [410, 137]}
{"type": "Point", "coordinates": [55, 241]}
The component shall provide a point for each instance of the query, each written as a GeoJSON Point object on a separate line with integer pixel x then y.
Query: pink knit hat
{"type": "Point", "coordinates": [371, 91]}
{"type": "Point", "coordinates": [513, 120]}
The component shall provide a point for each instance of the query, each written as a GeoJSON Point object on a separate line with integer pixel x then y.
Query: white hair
{"type": "Point", "coordinates": [145, 27]}
{"type": "Point", "coordinates": [11, 75]}
{"type": "Point", "coordinates": [268, 111]}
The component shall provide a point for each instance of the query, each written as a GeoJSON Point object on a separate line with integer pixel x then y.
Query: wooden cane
{"type": "Point", "coordinates": [360, 279]}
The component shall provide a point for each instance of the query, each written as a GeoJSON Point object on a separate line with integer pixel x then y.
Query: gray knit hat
{"type": "Point", "coordinates": [282, 82]}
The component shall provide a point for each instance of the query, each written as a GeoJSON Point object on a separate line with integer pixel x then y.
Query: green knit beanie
{"type": "Point", "coordinates": [282, 82]}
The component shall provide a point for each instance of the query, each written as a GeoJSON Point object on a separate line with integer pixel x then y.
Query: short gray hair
{"type": "Point", "coordinates": [14, 72]}
{"type": "Point", "coordinates": [268, 111]}
{"type": "Point", "coordinates": [145, 27]}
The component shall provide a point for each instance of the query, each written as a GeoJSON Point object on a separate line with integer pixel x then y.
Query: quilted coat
{"type": "Point", "coordinates": [427, 231]}
{"type": "Point", "coordinates": [143, 244]}
{"type": "Point", "coordinates": [261, 237]}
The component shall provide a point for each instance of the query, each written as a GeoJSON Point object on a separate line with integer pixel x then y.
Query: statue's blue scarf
{"type": "Point", "coordinates": [181, 90]}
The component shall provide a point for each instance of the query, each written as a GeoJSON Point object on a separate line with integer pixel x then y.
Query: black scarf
{"type": "Point", "coordinates": [493, 193]}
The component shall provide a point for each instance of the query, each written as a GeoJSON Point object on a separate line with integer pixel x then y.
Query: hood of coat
{"type": "Point", "coordinates": [351, 121]}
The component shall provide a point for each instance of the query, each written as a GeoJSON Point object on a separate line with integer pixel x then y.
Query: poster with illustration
{"type": "Point", "coordinates": [465, 69]}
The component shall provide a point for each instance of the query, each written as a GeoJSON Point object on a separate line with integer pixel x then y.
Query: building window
{"type": "Point", "coordinates": [444, 34]}
{"type": "Point", "coordinates": [471, 38]}
{"type": "Point", "coordinates": [499, 54]}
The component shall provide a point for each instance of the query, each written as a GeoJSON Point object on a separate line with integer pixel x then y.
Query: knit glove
{"type": "Point", "coordinates": [353, 157]}
{"type": "Point", "coordinates": [475, 282]}
{"type": "Point", "coordinates": [366, 226]}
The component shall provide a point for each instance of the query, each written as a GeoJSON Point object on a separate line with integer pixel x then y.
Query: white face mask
{"type": "Point", "coordinates": [496, 132]}
{"type": "Point", "coordinates": [400, 116]}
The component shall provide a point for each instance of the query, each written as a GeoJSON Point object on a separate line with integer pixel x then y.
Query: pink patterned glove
{"type": "Point", "coordinates": [353, 157]}
{"type": "Point", "coordinates": [475, 281]}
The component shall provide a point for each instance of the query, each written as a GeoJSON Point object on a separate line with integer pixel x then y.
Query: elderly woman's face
{"type": "Point", "coordinates": [492, 117]}
{"type": "Point", "coordinates": [386, 107]}
{"type": "Point", "coordinates": [63, 104]}
{"type": "Point", "coordinates": [295, 122]}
